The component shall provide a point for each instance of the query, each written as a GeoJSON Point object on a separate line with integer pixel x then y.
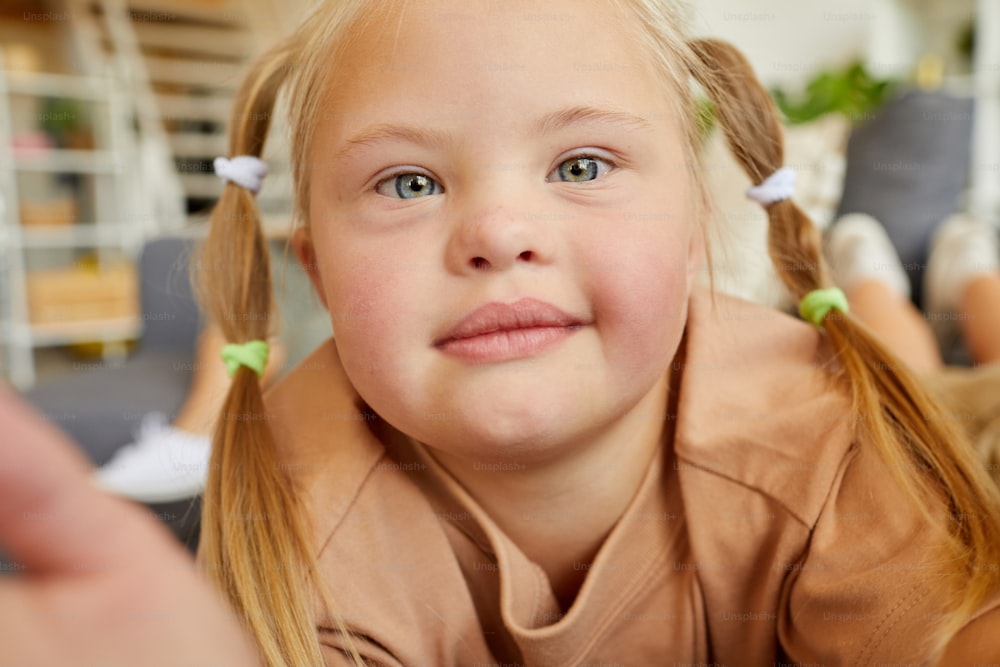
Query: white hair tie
{"type": "Point", "coordinates": [244, 170]}
{"type": "Point", "coordinates": [779, 186]}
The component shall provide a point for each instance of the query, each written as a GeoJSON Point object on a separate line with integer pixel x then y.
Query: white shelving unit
{"type": "Point", "coordinates": [904, 30]}
{"type": "Point", "coordinates": [111, 235]}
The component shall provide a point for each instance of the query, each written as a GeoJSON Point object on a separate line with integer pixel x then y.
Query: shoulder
{"type": "Point", "coordinates": [871, 586]}
{"type": "Point", "coordinates": [382, 549]}
{"type": "Point", "coordinates": [757, 405]}
{"type": "Point", "coordinates": [762, 423]}
{"type": "Point", "coordinates": [321, 430]}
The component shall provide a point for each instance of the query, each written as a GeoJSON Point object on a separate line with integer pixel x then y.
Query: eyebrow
{"type": "Point", "coordinates": [589, 114]}
{"type": "Point", "coordinates": [389, 132]}
{"type": "Point", "coordinates": [550, 122]}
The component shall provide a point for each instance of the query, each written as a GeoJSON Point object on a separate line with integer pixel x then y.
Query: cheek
{"type": "Point", "coordinates": [374, 309]}
{"type": "Point", "coordinates": [639, 289]}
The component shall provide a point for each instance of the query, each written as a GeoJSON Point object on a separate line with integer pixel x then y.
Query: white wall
{"type": "Point", "coordinates": [789, 40]}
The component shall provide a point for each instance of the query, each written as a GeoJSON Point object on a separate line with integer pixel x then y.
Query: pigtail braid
{"type": "Point", "coordinates": [255, 540]}
{"type": "Point", "coordinates": [923, 449]}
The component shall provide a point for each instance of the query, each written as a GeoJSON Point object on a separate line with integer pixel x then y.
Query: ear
{"type": "Point", "coordinates": [306, 252]}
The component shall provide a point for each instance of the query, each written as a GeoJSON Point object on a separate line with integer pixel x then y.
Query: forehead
{"type": "Point", "coordinates": [443, 57]}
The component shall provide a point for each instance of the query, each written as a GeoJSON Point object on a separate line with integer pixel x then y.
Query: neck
{"type": "Point", "coordinates": [560, 513]}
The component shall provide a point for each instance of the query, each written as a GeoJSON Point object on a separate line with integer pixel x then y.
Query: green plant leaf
{"type": "Point", "coordinates": [851, 91]}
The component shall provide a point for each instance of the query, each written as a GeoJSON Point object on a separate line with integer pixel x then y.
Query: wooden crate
{"type": "Point", "coordinates": [75, 294]}
{"type": "Point", "coordinates": [57, 212]}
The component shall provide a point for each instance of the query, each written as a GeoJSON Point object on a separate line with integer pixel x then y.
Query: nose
{"type": "Point", "coordinates": [497, 235]}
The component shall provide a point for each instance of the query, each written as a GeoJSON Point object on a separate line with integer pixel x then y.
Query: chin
{"type": "Point", "coordinates": [513, 437]}
{"type": "Point", "coordinates": [520, 435]}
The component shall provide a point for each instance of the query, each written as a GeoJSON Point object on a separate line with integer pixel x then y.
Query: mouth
{"type": "Point", "coordinates": [502, 332]}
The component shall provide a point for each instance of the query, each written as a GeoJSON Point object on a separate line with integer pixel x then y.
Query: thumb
{"type": "Point", "coordinates": [52, 517]}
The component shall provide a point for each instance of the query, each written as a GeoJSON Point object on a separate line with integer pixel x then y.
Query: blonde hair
{"type": "Point", "coordinates": [255, 541]}
{"type": "Point", "coordinates": [253, 528]}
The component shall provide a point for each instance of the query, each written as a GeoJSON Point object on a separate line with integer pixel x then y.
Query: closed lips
{"type": "Point", "coordinates": [493, 317]}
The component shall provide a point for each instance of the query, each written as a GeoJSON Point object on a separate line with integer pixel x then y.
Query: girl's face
{"type": "Point", "coordinates": [478, 153]}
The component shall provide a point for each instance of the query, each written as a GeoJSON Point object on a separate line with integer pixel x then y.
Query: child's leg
{"type": "Point", "coordinates": [169, 462]}
{"type": "Point", "coordinates": [897, 322]}
{"type": "Point", "coordinates": [208, 386]}
{"type": "Point", "coordinates": [865, 265]}
{"type": "Point", "coordinates": [963, 280]}
{"type": "Point", "coordinates": [980, 323]}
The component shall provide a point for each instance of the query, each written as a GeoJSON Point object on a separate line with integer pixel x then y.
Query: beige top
{"type": "Point", "coordinates": [768, 535]}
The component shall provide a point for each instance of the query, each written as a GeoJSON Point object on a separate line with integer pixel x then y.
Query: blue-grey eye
{"type": "Point", "coordinates": [409, 186]}
{"type": "Point", "coordinates": [581, 168]}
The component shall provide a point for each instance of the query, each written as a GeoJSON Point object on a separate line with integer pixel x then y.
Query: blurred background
{"type": "Point", "coordinates": [110, 116]}
{"type": "Point", "coordinates": [111, 112]}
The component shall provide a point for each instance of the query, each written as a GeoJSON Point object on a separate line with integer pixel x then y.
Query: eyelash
{"type": "Point", "coordinates": [610, 167]}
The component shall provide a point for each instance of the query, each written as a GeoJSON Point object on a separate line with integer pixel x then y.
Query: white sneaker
{"type": "Point", "coordinates": [962, 248]}
{"type": "Point", "coordinates": [858, 249]}
{"type": "Point", "coordinates": [163, 465]}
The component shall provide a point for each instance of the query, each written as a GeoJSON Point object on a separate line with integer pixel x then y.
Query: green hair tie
{"type": "Point", "coordinates": [252, 354]}
{"type": "Point", "coordinates": [815, 305]}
